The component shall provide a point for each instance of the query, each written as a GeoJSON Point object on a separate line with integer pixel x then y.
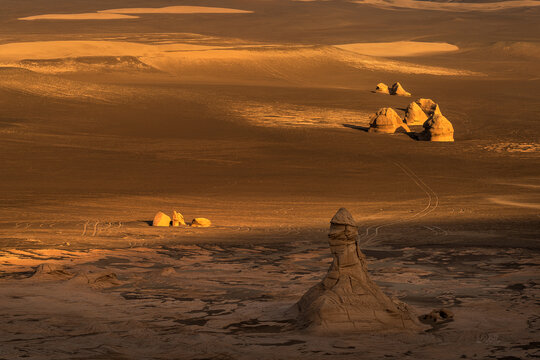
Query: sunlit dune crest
{"type": "Point", "coordinates": [279, 61]}
{"type": "Point", "coordinates": [398, 48]}
{"type": "Point", "coordinates": [177, 10]}
{"type": "Point", "coordinates": [81, 16]}
{"type": "Point", "coordinates": [449, 6]}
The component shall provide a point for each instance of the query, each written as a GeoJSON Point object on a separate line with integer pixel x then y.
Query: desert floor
{"type": "Point", "coordinates": [256, 118]}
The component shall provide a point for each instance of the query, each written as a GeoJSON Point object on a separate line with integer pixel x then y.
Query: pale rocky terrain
{"type": "Point", "coordinates": [258, 121]}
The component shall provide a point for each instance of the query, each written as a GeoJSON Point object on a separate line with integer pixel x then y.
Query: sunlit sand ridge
{"type": "Point", "coordinates": [398, 48]}
{"type": "Point", "coordinates": [113, 14]}
{"type": "Point", "coordinates": [178, 58]}
{"type": "Point", "coordinates": [177, 10]}
{"type": "Point", "coordinates": [81, 16]}
{"type": "Point", "coordinates": [449, 6]}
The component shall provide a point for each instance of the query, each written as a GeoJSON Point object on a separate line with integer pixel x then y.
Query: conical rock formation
{"type": "Point", "coordinates": [382, 88]}
{"type": "Point", "coordinates": [161, 219]}
{"type": "Point", "coordinates": [420, 110]}
{"type": "Point", "coordinates": [397, 89]}
{"type": "Point", "coordinates": [437, 128]}
{"type": "Point", "coordinates": [387, 121]}
{"type": "Point", "coordinates": [347, 299]}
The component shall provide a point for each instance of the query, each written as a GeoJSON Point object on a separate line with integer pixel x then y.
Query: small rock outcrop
{"type": "Point", "coordinates": [161, 219]}
{"type": "Point", "coordinates": [437, 128]}
{"type": "Point", "coordinates": [420, 110]}
{"type": "Point", "coordinates": [201, 222]}
{"type": "Point", "coordinates": [347, 299]}
{"type": "Point", "coordinates": [387, 121]}
{"type": "Point", "coordinates": [397, 89]}
{"type": "Point", "coordinates": [428, 106]}
{"type": "Point", "coordinates": [177, 219]}
{"type": "Point", "coordinates": [382, 88]}
{"type": "Point", "coordinates": [52, 272]}
{"type": "Point", "coordinates": [437, 316]}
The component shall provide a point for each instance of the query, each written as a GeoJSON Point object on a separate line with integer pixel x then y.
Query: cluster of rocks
{"type": "Point", "coordinates": [395, 89]}
{"type": "Point", "coordinates": [423, 112]}
{"type": "Point", "coordinates": [162, 219]}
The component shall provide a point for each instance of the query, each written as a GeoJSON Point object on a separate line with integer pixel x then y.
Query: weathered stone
{"type": "Point", "coordinates": [161, 219]}
{"type": "Point", "coordinates": [437, 316]}
{"type": "Point", "coordinates": [51, 271]}
{"type": "Point", "coordinates": [382, 88]}
{"type": "Point", "coordinates": [437, 128]}
{"type": "Point", "coordinates": [347, 299]}
{"type": "Point", "coordinates": [201, 222]}
{"type": "Point", "coordinates": [177, 219]}
{"type": "Point", "coordinates": [387, 121]}
{"type": "Point", "coordinates": [414, 115]}
{"type": "Point", "coordinates": [397, 89]}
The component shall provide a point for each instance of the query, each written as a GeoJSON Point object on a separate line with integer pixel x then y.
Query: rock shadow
{"type": "Point", "coordinates": [356, 127]}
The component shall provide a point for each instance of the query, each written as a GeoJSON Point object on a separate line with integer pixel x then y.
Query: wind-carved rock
{"type": "Point", "coordinates": [382, 88]}
{"type": "Point", "coordinates": [347, 299]}
{"type": "Point", "coordinates": [397, 89]}
{"type": "Point", "coordinates": [387, 121]}
{"type": "Point", "coordinates": [437, 128]}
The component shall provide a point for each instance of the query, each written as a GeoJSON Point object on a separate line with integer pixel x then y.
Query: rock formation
{"type": "Point", "coordinates": [177, 219]}
{"type": "Point", "coordinates": [397, 89]}
{"type": "Point", "coordinates": [382, 88]}
{"type": "Point", "coordinates": [420, 110]}
{"type": "Point", "coordinates": [387, 121]}
{"type": "Point", "coordinates": [161, 220]}
{"type": "Point", "coordinates": [437, 316]}
{"type": "Point", "coordinates": [428, 106]}
{"type": "Point", "coordinates": [347, 299]}
{"type": "Point", "coordinates": [200, 222]}
{"type": "Point", "coordinates": [437, 128]}
{"type": "Point", "coordinates": [51, 271]}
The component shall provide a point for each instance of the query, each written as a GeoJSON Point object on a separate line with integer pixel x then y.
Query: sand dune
{"type": "Point", "coordinates": [223, 62]}
{"type": "Point", "coordinates": [177, 10]}
{"type": "Point", "coordinates": [81, 16]}
{"type": "Point", "coordinates": [398, 48]}
{"type": "Point", "coordinates": [449, 6]}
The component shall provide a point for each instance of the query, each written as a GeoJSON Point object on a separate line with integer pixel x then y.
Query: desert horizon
{"type": "Point", "coordinates": [300, 179]}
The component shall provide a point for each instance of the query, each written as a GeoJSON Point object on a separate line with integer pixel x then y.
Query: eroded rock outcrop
{"type": "Point", "coordinates": [420, 110]}
{"type": "Point", "coordinates": [382, 88]}
{"type": "Point", "coordinates": [387, 121]}
{"type": "Point", "coordinates": [397, 89]}
{"type": "Point", "coordinates": [177, 219]}
{"type": "Point", "coordinates": [161, 219]}
{"type": "Point", "coordinates": [347, 299]}
{"type": "Point", "coordinates": [437, 128]}
{"type": "Point", "coordinates": [201, 222]}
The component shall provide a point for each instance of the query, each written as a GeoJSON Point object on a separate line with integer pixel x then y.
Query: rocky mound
{"type": "Point", "coordinates": [161, 219]}
{"type": "Point", "coordinates": [397, 89]}
{"type": "Point", "coordinates": [387, 121]}
{"type": "Point", "coordinates": [382, 88]}
{"type": "Point", "coordinates": [420, 110]}
{"type": "Point", "coordinates": [437, 128]}
{"type": "Point", "coordinates": [347, 299]}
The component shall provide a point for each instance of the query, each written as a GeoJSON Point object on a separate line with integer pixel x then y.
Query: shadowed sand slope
{"type": "Point", "coordinates": [452, 6]}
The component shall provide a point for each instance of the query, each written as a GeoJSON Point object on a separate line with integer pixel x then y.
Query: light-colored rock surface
{"type": "Point", "coordinates": [428, 106]}
{"type": "Point", "coordinates": [414, 115]}
{"type": "Point", "coordinates": [347, 299]}
{"type": "Point", "coordinates": [382, 88]}
{"type": "Point", "coordinates": [201, 222]}
{"type": "Point", "coordinates": [161, 219]}
{"type": "Point", "coordinates": [177, 219]}
{"type": "Point", "coordinates": [387, 121]}
{"type": "Point", "coordinates": [397, 89]}
{"type": "Point", "coordinates": [437, 128]}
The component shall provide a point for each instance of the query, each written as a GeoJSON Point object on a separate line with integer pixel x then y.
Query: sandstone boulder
{"type": "Point", "coordinates": [382, 88]}
{"type": "Point", "coordinates": [387, 121]}
{"type": "Point", "coordinates": [201, 222]}
{"type": "Point", "coordinates": [347, 300]}
{"type": "Point", "coordinates": [161, 219]}
{"type": "Point", "coordinates": [437, 128]}
{"type": "Point", "coordinates": [428, 106]}
{"type": "Point", "coordinates": [177, 219]}
{"type": "Point", "coordinates": [420, 110]}
{"type": "Point", "coordinates": [397, 89]}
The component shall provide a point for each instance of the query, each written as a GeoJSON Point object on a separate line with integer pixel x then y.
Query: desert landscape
{"type": "Point", "coordinates": [332, 179]}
